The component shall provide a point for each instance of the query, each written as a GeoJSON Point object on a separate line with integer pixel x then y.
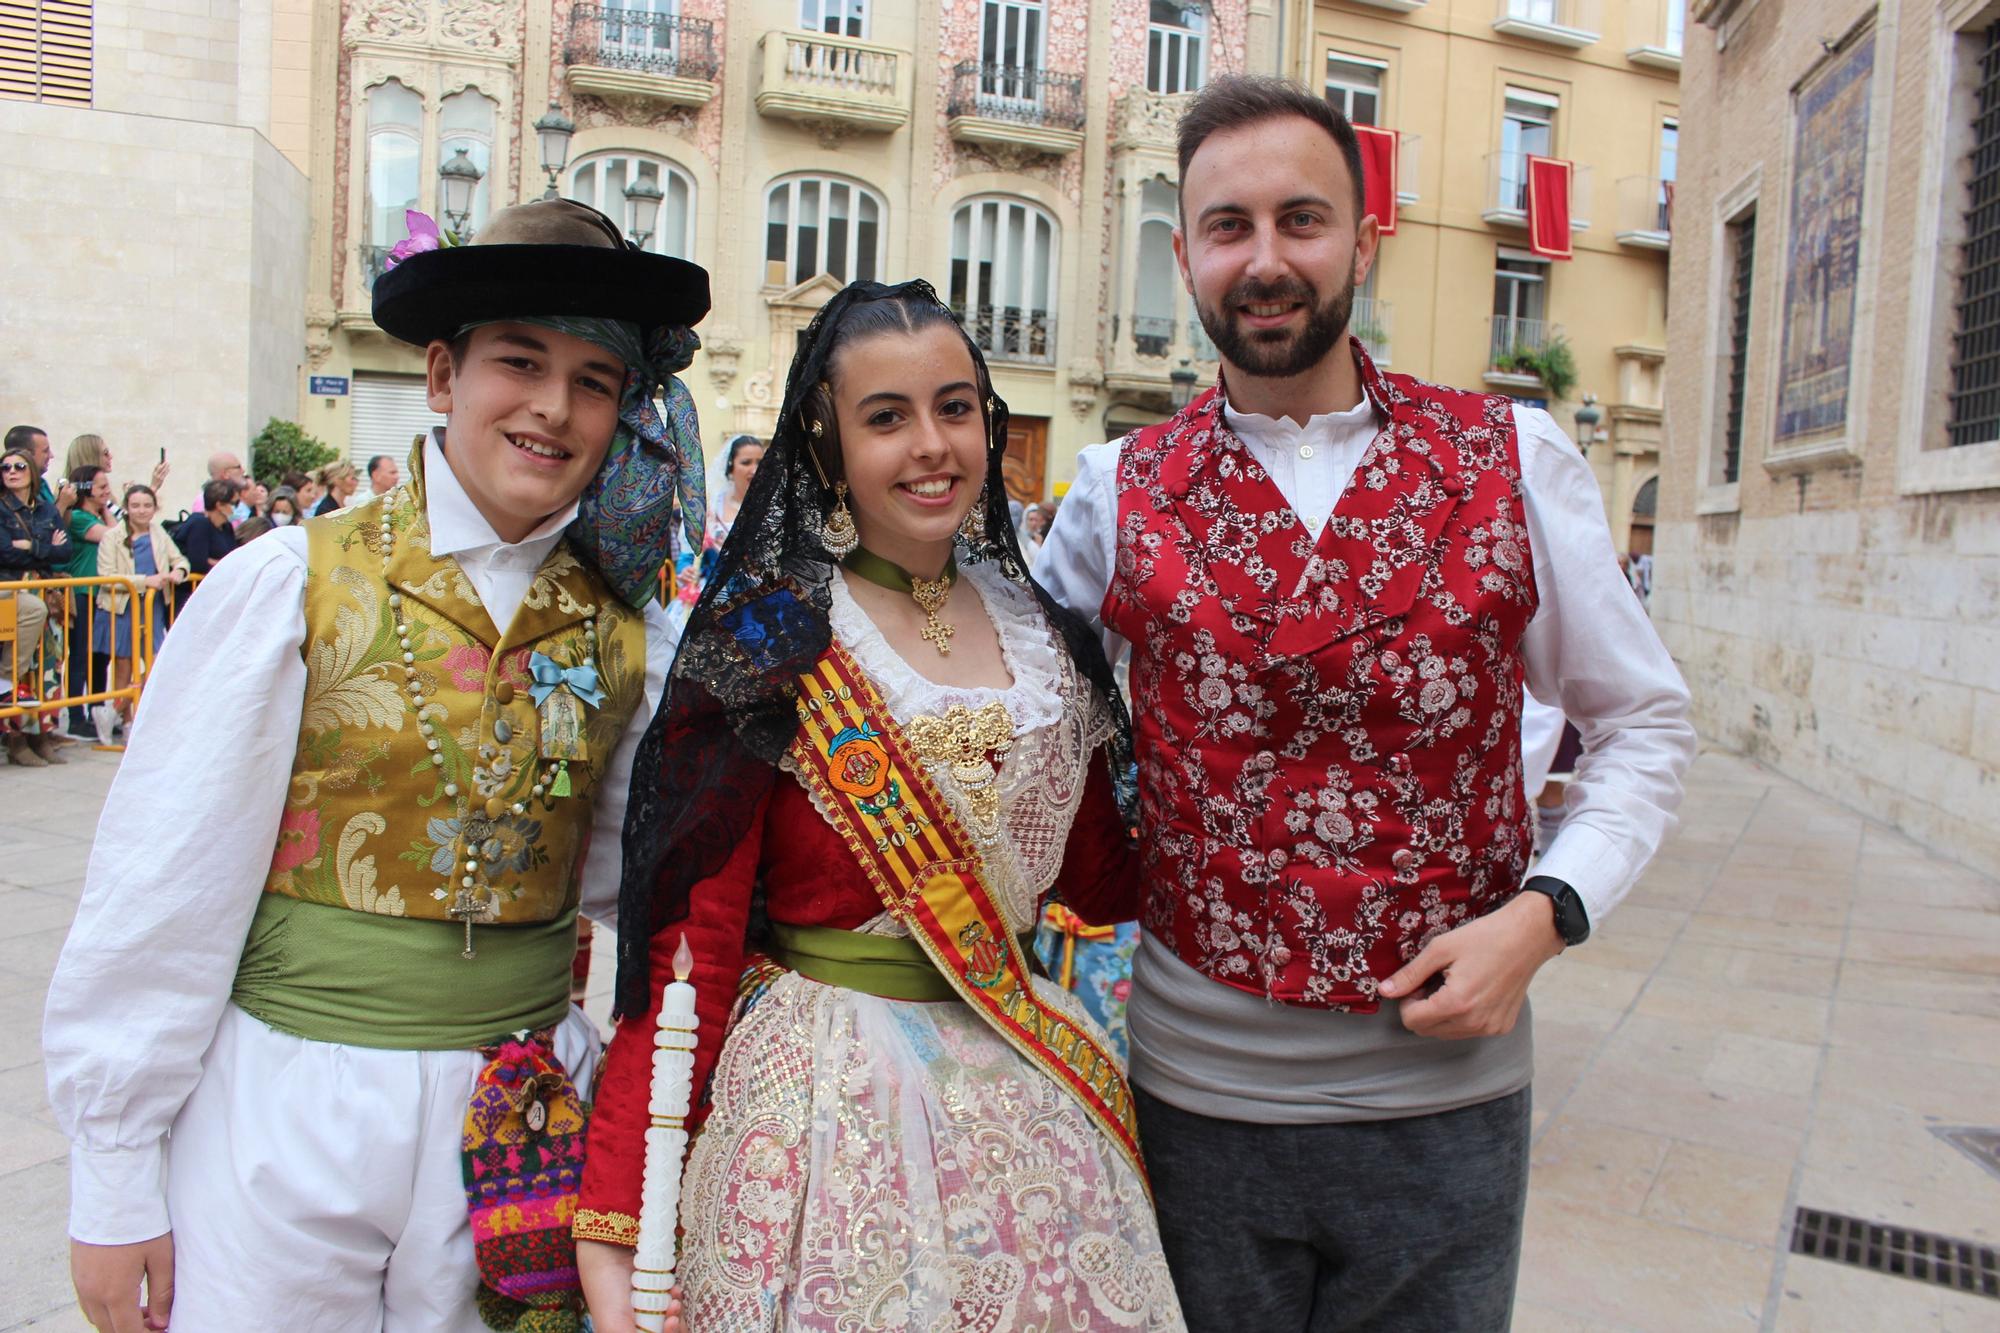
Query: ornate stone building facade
{"type": "Point", "coordinates": [999, 148]}
{"type": "Point", "coordinates": [1829, 542]}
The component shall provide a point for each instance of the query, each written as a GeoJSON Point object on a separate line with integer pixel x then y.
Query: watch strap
{"type": "Point", "coordinates": [1572, 920]}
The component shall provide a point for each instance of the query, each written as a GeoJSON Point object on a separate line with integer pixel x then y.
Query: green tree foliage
{"type": "Point", "coordinates": [283, 446]}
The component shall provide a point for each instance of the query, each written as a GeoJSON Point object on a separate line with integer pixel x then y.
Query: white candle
{"type": "Point", "coordinates": [666, 1142]}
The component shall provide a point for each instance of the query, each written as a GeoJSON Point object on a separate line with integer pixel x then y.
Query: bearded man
{"type": "Point", "coordinates": [1334, 583]}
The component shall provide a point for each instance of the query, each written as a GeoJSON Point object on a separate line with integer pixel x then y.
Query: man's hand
{"type": "Point", "coordinates": [1485, 967]}
{"type": "Point", "coordinates": [108, 1277]}
{"type": "Point", "coordinates": [606, 1273]}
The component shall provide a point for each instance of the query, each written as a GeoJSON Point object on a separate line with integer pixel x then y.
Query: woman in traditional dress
{"type": "Point", "coordinates": [883, 730]}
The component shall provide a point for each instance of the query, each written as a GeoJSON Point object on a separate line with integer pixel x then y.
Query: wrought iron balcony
{"type": "Point", "coordinates": [1153, 335]}
{"type": "Point", "coordinates": [1009, 333]}
{"type": "Point", "coordinates": [1018, 107]}
{"type": "Point", "coordinates": [1516, 347]}
{"type": "Point", "coordinates": [637, 54]}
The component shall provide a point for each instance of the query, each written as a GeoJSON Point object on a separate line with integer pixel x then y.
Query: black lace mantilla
{"type": "Point", "coordinates": [729, 711]}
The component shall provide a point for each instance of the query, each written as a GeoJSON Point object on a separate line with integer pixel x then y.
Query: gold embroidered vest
{"type": "Point", "coordinates": [385, 811]}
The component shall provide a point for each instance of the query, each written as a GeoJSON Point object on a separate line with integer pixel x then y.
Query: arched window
{"type": "Point", "coordinates": [1003, 278]}
{"type": "Point", "coordinates": [818, 224]}
{"type": "Point", "coordinates": [1159, 281]}
{"type": "Point", "coordinates": [466, 120]}
{"type": "Point", "coordinates": [393, 173]}
{"type": "Point", "coordinates": [1176, 45]}
{"type": "Point", "coordinates": [600, 180]}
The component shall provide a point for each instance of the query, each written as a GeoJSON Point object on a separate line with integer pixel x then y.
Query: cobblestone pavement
{"type": "Point", "coordinates": [1780, 1015]}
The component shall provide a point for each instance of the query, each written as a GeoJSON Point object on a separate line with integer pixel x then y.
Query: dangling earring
{"type": "Point", "coordinates": [838, 534]}
{"type": "Point", "coordinates": [973, 526]}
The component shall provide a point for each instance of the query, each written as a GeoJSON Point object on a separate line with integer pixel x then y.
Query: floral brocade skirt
{"type": "Point", "coordinates": [872, 1164]}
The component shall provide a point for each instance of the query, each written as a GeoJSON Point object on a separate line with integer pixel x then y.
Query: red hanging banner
{"type": "Point", "coordinates": [1548, 207]}
{"type": "Point", "coordinates": [1379, 152]}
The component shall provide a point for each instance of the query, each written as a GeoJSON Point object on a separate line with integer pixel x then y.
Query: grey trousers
{"type": "Point", "coordinates": [1409, 1225]}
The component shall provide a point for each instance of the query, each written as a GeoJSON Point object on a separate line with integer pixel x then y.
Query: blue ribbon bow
{"type": "Point", "coordinates": [548, 674]}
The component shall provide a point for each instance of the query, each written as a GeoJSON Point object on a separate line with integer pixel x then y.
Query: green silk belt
{"type": "Point", "coordinates": [894, 967]}
{"type": "Point", "coordinates": [392, 983]}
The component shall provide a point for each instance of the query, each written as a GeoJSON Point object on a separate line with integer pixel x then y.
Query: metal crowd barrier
{"type": "Point", "coordinates": [85, 669]}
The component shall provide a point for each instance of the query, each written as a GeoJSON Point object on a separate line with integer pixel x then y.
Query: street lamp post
{"type": "Point", "coordinates": [553, 133]}
{"type": "Point", "coordinates": [1587, 417]}
{"type": "Point", "coordinates": [458, 186]}
{"type": "Point", "coordinates": [1182, 377]}
{"type": "Point", "coordinates": [642, 210]}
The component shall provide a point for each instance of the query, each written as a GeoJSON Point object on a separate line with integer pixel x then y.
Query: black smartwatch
{"type": "Point", "coordinates": [1572, 922]}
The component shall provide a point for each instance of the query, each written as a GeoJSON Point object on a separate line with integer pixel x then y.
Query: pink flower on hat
{"type": "Point", "coordinates": [423, 236]}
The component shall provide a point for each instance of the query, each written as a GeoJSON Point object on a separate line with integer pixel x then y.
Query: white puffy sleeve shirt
{"type": "Point", "coordinates": [173, 883]}
{"type": "Point", "coordinates": [1591, 651]}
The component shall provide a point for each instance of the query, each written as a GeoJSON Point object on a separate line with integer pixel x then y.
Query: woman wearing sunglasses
{"type": "Point", "coordinates": [33, 543]}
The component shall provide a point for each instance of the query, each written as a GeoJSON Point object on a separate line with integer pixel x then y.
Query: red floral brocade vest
{"type": "Point", "coordinates": [1328, 734]}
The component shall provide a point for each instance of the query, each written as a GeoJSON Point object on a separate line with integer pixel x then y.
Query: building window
{"type": "Point", "coordinates": [1354, 85]}
{"type": "Point", "coordinates": [842, 18]}
{"type": "Point", "coordinates": [1010, 35]}
{"type": "Point", "coordinates": [1739, 254]}
{"type": "Point", "coordinates": [1153, 310]}
{"type": "Point", "coordinates": [395, 170]}
{"type": "Point", "coordinates": [1676, 24]}
{"type": "Point", "coordinates": [815, 225]}
{"type": "Point", "coordinates": [1175, 38]}
{"type": "Point", "coordinates": [1003, 278]}
{"type": "Point", "coordinates": [45, 52]}
{"type": "Point", "coordinates": [600, 180]}
{"type": "Point", "coordinates": [1975, 343]}
{"type": "Point", "coordinates": [1520, 324]}
{"type": "Point", "coordinates": [1527, 129]}
{"type": "Point", "coordinates": [465, 120]}
{"type": "Point", "coordinates": [1670, 152]}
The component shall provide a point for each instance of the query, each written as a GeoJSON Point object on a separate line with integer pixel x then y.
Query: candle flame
{"type": "Point", "coordinates": [683, 959]}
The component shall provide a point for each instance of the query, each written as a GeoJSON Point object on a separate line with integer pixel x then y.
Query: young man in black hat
{"type": "Point", "coordinates": [356, 1020]}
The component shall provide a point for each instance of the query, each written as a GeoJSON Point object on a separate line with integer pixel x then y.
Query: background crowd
{"type": "Point", "coordinates": [75, 522]}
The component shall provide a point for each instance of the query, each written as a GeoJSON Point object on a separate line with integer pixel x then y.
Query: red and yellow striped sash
{"type": "Point", "coordinates": [928, 871]}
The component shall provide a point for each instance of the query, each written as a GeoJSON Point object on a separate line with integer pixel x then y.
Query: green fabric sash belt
{"type": "Point", "coordinates": [363, 979]}
{"type": "Point", "coordinates": [894, 967]}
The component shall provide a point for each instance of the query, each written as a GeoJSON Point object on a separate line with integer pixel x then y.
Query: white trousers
{"type": "Point", "coordinates": [317, 1188]}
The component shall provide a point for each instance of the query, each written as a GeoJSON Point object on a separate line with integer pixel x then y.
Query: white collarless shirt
{"type": "Point", "coordinates": [1311, 464]}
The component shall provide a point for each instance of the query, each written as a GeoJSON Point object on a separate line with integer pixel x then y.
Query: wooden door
{"type": "Point", "coordinates": [1026, 463]}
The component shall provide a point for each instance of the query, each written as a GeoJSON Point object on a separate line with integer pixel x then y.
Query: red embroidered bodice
{"type": "Point", "coordinates": [1328, 733]}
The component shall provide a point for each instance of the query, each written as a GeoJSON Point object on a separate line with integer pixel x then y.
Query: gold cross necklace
{"type": "Point", "coordinates": [929, 594]}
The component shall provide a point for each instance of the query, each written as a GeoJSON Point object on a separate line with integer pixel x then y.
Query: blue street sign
{"type": "Point", "coordinates": [329, 386]}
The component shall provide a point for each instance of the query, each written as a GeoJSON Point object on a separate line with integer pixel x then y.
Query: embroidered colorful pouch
{"type": "Point", "coordinates": [523, 1159]}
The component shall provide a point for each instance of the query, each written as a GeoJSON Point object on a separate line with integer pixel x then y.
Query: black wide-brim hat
{"type": "Point", "coordinates": [549, 257]}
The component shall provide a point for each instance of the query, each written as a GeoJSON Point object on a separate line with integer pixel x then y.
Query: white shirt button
{"type": "Point", "coordinates": [1305, 451]}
